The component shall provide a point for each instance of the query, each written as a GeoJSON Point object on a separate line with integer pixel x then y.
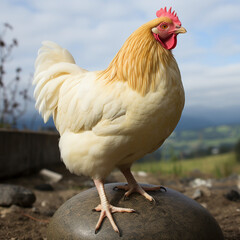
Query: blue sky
{"type": "Point", "coordinates": [93, 31]}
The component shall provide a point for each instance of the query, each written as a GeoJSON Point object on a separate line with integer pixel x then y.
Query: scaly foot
{"type": "Point", "coordinates": [106, 211]}
{"type": "Point", "coordinates": [106, 208]}
{"type": "Point", "coordinates": [139, 189]}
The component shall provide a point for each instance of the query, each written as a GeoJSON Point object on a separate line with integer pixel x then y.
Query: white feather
{"type": "Point", "coordinates": [53, 65]}
{"type": "Point", "coordinates": [103, 125]}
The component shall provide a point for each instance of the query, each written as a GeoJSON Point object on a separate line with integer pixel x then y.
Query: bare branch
{"type": "Point", "coordinates": [13, 95]}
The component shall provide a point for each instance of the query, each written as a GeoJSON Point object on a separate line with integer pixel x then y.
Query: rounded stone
{"type": "Point", "coordinates": [14, 194]}
{"type": "Point", "coordinates": [173, 217]}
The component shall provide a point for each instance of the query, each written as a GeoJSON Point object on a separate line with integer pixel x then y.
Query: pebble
{"type": "Point", "coordinates": [50, 176]}
{"type": "Point", "coordinates": [197, 194]}
{"type": "Point", "coordinates": [198, 182]}
{"type": "Point", "coordinates": [16, 195]}
{"type": "Point", "coordinates": [5, 211]}
{"type": "Point", "coordinates": [43, 203]}
{"type": "Point", "coordinates": [35, 210]}
{"type": "Point", "coordinates": [142, 174]}
{"type": "Point", "coordinates": [233, 195]}
{"type": "Point", "coordinates": [204, 205]}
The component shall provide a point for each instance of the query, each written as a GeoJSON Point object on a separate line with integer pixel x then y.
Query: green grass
{"type": "Point", "coordinates": [191, 140]}
{"type": "Point", "coordinates": [215, 166]}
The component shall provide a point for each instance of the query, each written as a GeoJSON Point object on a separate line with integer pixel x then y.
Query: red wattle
{"type": "Point", "coordinates": [168, 43]}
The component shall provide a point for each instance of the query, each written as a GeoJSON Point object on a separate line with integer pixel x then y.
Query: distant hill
{"type": "Point", "coordinates": [202, 117]}
{"type": "Point", "coordinates": [193, 123]}
{"type": "Point", "coordinates": [189, 143]}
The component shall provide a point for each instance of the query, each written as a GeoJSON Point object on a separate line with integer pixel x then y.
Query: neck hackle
{"type": "Point", "coordinates": [139, 61]}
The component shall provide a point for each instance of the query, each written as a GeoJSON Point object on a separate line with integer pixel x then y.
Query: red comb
{"type": "Point", "coordinates": [164, 13]}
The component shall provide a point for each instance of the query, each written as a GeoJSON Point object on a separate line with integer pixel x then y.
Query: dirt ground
{"type": "Point", "coordinates": [31, 223]}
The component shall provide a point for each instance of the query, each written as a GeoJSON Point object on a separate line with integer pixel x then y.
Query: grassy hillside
{"type": "Point", "coordinates": [215, 166]}
{"type": "Point", "coordinates": [187, 142]}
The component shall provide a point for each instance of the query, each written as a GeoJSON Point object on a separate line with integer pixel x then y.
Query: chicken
{"type": "Point", "coordinates": [109, 119]}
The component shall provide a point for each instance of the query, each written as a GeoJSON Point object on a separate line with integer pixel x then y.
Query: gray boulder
{"type": "Point", "coordinates": [17, 195]}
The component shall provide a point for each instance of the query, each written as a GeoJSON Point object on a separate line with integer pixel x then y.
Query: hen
{"type": "Point", "coordinates": [108, 119]}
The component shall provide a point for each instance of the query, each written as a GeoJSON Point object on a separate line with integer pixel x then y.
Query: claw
{"type": "Point", "coordinates": [125, 198]}
{"type": "Point", "coordinates": [153, 201]}
{"type": "Point", "coordinates": [161, 187]}
{"type": "Point", "coordinates": [140, 189]}
{"type": "Point", "coordinates": [121, 187]}
{"type": "Point", "coordinates": [133, 186]}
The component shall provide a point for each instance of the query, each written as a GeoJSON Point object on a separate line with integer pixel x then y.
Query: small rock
{"type": "Point", "coordinates": [50, 176]}
{"type": "Point", "coordinates": [43, 203]}
{"type": "Point", "coordinates": [233, 196]}
{"type": "Point", "coordinates": [204, 205]}
{"type": "Point", "coordinates": [18, 195]}
{"type": "Point", "coordinates": [142, 174]}
{"type": "Point", "coordinates": [35, 210]}
{"type": "Point", "coordinates": [197, 194]}
{"type": "Point", "coordinates": [5, 211]}
{"type": "Point", "coordinates": [198, 182]}
{"type": "Point", "coordinates": [44, 187]}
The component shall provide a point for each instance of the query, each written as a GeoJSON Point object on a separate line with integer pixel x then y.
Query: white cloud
{"type": "Point", "coordinates": [227, 46]}
{"type": "Point", "coordinates": [93, 31]}
{"type": "Point", "coordinates": [212, 86]}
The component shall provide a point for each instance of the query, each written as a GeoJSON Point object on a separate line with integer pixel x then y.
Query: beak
{"type": "Point", "coordinates": [180, 30]}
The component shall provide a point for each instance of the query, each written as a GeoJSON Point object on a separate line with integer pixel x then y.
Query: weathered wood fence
{"type": "Point", "coordinates": [23, 152]}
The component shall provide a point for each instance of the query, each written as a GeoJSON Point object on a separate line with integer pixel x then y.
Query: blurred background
{"type": "Point", "coordinates": [200, 159]}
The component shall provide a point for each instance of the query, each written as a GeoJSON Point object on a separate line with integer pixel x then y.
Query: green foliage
{"type": "Point", "coordinates": [237, 151]}
{"type": "Point", "coordinates": [216, 166]}
{"type": "Point", "coordinates": [176, 165]}
{"type": "Point", "coordinates": [177, 169]}
{"type": "Point", "coordinates": [225, 169]}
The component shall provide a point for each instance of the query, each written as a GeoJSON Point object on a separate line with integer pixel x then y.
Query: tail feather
{"type": "Point", "coordinates": [53, 66]}
{"type": "Point", "coordinates": [51, 53]}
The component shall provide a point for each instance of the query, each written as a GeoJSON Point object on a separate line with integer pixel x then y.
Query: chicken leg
{"type": "Point", "coordinates": [133, 186]}
{"type": "Point", "coordinates": [106, 208]}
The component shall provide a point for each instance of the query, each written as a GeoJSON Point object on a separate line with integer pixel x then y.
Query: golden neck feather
{"type": "Point", "coordinates": [139, 60]}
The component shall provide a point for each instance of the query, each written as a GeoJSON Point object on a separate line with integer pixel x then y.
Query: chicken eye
{"type": "Point", "coordinates": [164, 26]}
